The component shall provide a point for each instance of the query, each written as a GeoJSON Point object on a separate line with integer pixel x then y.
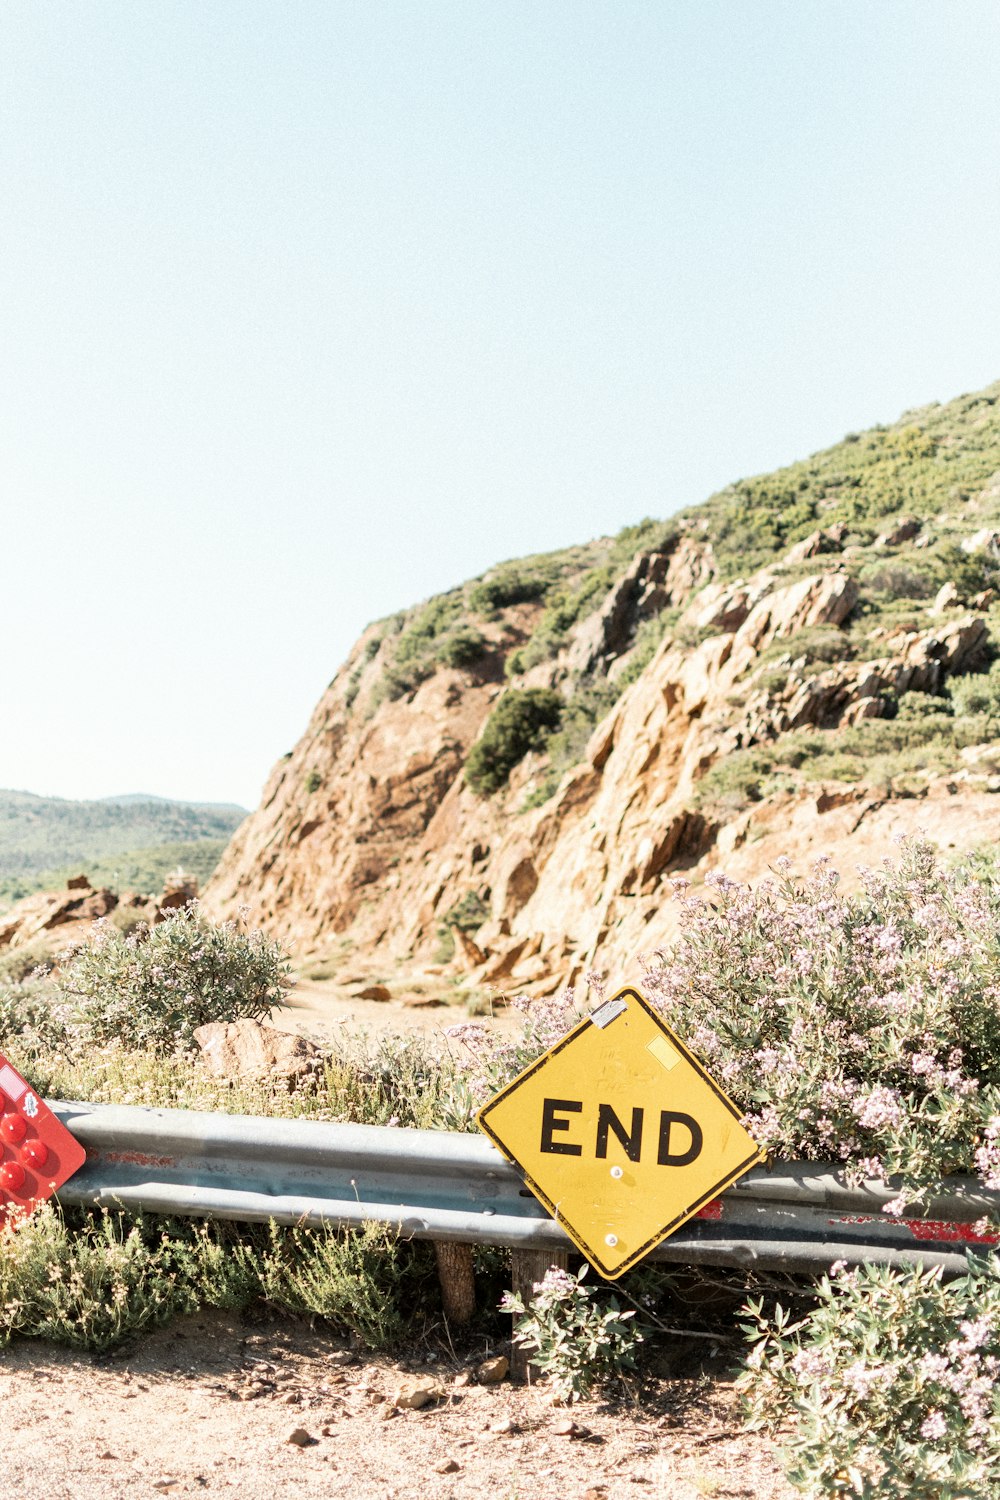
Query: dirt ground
{"type": "Point", "coordinates": [317, 1008]}
{"type": "Point", "coordinates": [209, 1404]}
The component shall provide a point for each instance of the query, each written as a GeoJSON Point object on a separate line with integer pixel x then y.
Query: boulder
{"type": "Point", "coordinates": [987, 540]}
{"type": "Point", "coordinates": [865, 708]}
{"type": "Point", "coordinates": [516, 882]}
{"type": "Point", "coordinates": [828, 539]}
{"type": "Point", "coordinates": [248, 1049]}
{"type": "Point", "coordinates": [501, 965]}
{"type": "Point", "coordinates": [45, 910]}
{"type": "Point", "coordinates": [492, 1371]}
{"type": "Point", "coordinates": [179, 890]}
{"type": "Point", "coordinates": [468, 954]}
{"type": "Point", "coordinates": [947, 597]}
{"type": "Point", "coordinates": [373, 992]}
{"type": "Point", "coordinates": [416, 1391]}
{"type": "Point", "coordinates": [905, 530]}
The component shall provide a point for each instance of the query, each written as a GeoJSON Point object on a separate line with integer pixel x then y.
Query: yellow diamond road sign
{"type": "Point", "coordinates": [620, 1132]}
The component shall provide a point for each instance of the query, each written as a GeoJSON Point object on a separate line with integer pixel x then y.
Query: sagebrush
{"type": "Point", "coordinates": [155, 989]}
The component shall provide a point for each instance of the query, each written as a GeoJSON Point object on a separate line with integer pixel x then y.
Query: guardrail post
{"type": "Point", "coordinates": [527, 1267]}
{"type": "Point", "coordinates": [458, 1286]}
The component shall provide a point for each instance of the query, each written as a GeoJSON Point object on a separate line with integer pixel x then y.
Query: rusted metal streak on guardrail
{"type": "Point", "coordinates": [444, 1186]}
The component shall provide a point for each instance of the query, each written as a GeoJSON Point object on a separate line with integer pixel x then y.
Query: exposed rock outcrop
{"type": "Point", "coordinates": [43, 912]}
{"type": "Point", "coordinates": [394, 837]}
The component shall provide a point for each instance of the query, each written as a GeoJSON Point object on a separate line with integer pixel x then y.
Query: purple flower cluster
{"type": "Point", "coordinates": [492, 1063]}
{"type": "Point", "coordinates": [891, 1380]}
{"type": "Point", "coordinates": [858, 1027]}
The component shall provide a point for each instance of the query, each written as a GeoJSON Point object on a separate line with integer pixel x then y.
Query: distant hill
{"type": "Point", "coordinates": [130, 840]}
{"type": "Point", "coordinates": [129, 799]}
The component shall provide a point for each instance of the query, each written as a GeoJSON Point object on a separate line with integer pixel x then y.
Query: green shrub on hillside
{"type": "Point", "coordinates": [895, 579]}
{"type": "Point", "coordinates": [814, 643]}
{"type": "Point", "coordinates": [464, 647]}
{"type": "Point", "coordinates": [467, 914]}
{"type": "Point", "coordinates": [914, 705]}
{"type": "Point", "coordinates": [436, 617]}
{"type": "Point", "coordinates": [923, 740]}
{"type": "Point", "coordinates": [514, 583]}
{"type": "Point", "coordinates": [521, 721]}
{"type": "Point", "coordinates": [564, 608]}
{"type": "Point", "coordinates": [398, 679]}
{"type": "Point", "coordinates": [740, 778]}
{"type": "Point", "coordinates": [435, 636]}
{"type": "Point", "coordinates": [567, 604]}
{"type": "Point", "coordinates": [919, 574]}
{"type": "Point", "coordinates": [647, 535]}
{"type": "Point", "coordinates": [979, 693]}
{"type": "Point", "coordinates": [592, 700]}
{"type": "Point", "coordinates": [925, 465]}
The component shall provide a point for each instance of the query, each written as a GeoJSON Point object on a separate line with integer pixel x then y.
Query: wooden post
{"type": "Point", "coordinates": [526, 1268]}
{"type": "Point", "coordinates": [458, 1286]}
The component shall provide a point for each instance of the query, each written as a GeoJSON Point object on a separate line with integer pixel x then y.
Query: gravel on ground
{"type": "Point", "coordinates": [219, 1403]}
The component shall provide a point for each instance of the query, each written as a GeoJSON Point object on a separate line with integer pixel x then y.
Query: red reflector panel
{"type": "Point", "coordinates": [37, 1153]}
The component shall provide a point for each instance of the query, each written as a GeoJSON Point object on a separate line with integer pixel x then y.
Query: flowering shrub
{"type": "Point", "coordinates": [90, 1279]}
{"type": "Point", "coordinates": [573, 1339]}
{"type": "Point", "coordinates": [863, 1028]}
{"type": "Point", "coordinates": [109, 1280]}
{"type": "Point", "coordinates": [891, 1381]}
{"type": "Point", "coordinates": [154, 990]}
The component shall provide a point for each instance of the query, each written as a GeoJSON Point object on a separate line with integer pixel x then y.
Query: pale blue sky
{"type": "Point", "coordinates": [309, 310]}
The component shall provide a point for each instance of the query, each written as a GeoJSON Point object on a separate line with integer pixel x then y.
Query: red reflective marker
{"type": "Point", "coordinates": [37, 1153]}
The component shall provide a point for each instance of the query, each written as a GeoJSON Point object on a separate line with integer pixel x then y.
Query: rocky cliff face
{"type": "Point", "coordinates": [819, 703]}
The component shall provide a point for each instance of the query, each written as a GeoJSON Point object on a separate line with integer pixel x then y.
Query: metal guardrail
{"type": "Point", "coordinates": [443, 1186]}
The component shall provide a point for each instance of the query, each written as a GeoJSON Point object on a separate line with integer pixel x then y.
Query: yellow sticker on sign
{"type": "Point", "coordinates": [620, 1132]}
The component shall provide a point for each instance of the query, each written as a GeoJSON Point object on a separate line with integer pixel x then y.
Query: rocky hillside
{"type": "Point", "coordinates": [803, 664]}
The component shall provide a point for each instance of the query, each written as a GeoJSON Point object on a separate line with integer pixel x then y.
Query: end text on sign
{"type": "Point", "coordinates": [671, 1149]}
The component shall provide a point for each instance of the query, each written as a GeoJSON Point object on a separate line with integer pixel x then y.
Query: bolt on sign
{"type": "Point", "coordinates": [620, 1132]}
{"type": "Point", "coordinates": [37, 1153]}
